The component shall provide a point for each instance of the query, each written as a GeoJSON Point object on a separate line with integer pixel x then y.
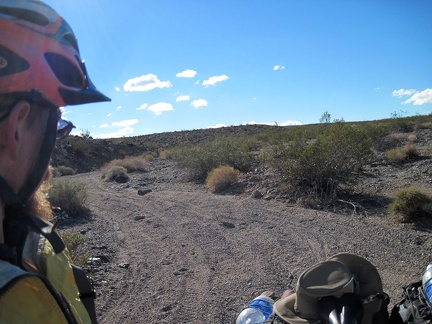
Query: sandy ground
{"type": "Point", "coordinates": [180, 254]}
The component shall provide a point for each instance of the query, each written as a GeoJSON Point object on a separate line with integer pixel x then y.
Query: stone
{"type": "Point", "coordinates": [256, 194]}
{"type": "Point", "coordinates": [143, 192]}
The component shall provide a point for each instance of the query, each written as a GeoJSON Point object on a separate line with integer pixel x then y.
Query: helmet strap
{"type": "Point", "coordinates": [37, 174]}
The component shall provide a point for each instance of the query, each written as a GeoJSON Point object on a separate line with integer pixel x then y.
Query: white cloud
{"type": "Point", "coordinates": [117, 89]}
{"type": "Point", "coordinates": [217, 126]}
{"type": "Point", "coordinates": [125, 123]}
{"type": "Point", "coordinates": [199, 103]}
{"type": "Point", "coordinates": [186, 74]}
{"type": "Point", "coordinates": [278, 67]}
{"type": "Point", "coordinates": [285, 123]}
{"type": "Point", "coordinates": [215, 79]}
{"type": "Point", "coordinates": [160, 107]}
{"type": "Point", "coordinates": [145, 83]}
{"type": "Point", "coordinates": [291, 122]}
{"type": "Point", "coordinates": [403, 92]}
{"type": "Point", "coordinates": [119, 107]}
{"type": "Point", "coordinates": [142, 107]}
{"type": "Point", "coordinates": [420, 98]}
{"type": "Point", "coordinates": [109, 115]}
{"type": "Point", "coordinates": [65, 111]}
{"type": "Point", "coordinates": [120, 133]}
{"type": "Point", "coordinates": [417, 98]}
{"type": "Point", "coordinates": [182, 98]}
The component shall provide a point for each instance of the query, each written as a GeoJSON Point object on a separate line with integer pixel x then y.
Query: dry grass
{"type": "Point", "coordinates": [63, 171]}
{"type": "Point", "coordinates": [222, 178]}
{"type": "Point", "coordinates": [116, 173]}
{"type": "Point", "coordinates": [130, 163]}
{"type": "Point", "coordinates": [402, 155]}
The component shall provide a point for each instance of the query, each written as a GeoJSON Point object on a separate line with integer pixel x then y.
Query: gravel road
{"type": "Point", "coordinates": [180, 254]}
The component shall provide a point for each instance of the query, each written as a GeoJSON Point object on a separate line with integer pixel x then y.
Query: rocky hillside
{"type": "Point", "coordinates": [88, 154]}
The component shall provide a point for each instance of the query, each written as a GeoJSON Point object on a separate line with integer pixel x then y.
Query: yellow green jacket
{"type": "Point", "coordinates": [45, 291]}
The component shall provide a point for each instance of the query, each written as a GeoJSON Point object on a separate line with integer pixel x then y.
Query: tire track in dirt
{"type": "Point", "coordinates": [197, 257]}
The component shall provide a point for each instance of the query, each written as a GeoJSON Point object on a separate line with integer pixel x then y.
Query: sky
{"type": "Point", "coordinates": [171, 65]}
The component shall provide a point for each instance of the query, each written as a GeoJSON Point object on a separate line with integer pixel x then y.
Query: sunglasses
{"type": "Point", "coordinates": [64, 127]}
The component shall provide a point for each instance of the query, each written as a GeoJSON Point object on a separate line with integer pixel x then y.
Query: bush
{"type": "Point", "coordinates": [130, 163]}
{"type": "Point", "coordinates": [319, 165]}
{"type": "Point", "coordinates": [83, 147]}
{"type": "Point", "coordinates": [63, 171]}
{"type": "Point", "coordinates": [409, 204]}
{"type": "Point", "coordinates": [222, 178]}
{"type": "Point", "coordinates": [402, 155]}
{"type": "Point", "coordinates": [70, 196]}
{"type": "Point", "coordinates": [73, 241]}
{"type": "Point", "coordinates": [116, 173]}
{"type": "Point", "coordinates": [200, 159]}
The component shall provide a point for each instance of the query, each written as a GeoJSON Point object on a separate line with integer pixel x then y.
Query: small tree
{"type": "Point", "coordinates": [325, 118]}
{"type": "Point", "coordinates": [85, 133]}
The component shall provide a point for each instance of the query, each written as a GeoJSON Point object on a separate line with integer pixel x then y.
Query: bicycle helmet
{"type": "Point", "coordinates": [39, 56]}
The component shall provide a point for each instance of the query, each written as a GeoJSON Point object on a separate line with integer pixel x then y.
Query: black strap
{"type": "Point", "coordinates": [8, 254]}
{"type": "Point", "coordinates": [86, 290]}
{"type": "Point", "coordinates": [18, 223]}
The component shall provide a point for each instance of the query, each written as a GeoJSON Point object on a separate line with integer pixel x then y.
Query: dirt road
{"type": "Point", "coordinates": [180, 254]}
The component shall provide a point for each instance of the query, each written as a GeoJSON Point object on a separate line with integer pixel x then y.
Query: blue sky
{"type": "Point", "coordinates": [171, 65]}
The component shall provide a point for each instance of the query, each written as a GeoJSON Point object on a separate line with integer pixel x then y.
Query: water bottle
{"type": "Point", "coordinates": [257, 312]}
{"type": "Point", "coordinates": [427, 285]}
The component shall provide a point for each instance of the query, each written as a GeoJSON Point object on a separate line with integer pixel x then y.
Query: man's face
{"type": "Point", "coordinates": [33, 138]}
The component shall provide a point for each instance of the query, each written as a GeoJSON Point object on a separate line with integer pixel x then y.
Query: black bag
{"type": "Point", "coordinates": [412, 308]}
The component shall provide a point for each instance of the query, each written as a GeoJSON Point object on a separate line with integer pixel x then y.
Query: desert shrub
{"type": "Point", "coordinates": [409, 204]}
{"type": "Point", "coordinates": [70, 196]}
{"type": "Point", "coordinates": [401, 155]}
{"type": "Point", "coordinates": [400, 124]}
{"type": "Point", "coordinates": [320, 165]}
{"type": "Point", "coordinates": [200, 159]}
{"type": "Point", "coordinates": [73, 242]}
{"type": "Point", "coordinates": [222, 178]}
{"type": "Point", "coordinates": [165, 154]}
{"type": "Point", "coordinates": [425, 125]}
{"type": "Point", "coordinates": [116, 173]}
{"type": "Point", "coordinates": [63, 171]}
{"type": "Point", "coordinates": [130, 163]}
{"type": "Point", "coordinates": [82, 146]}
{"type": "Point", "coordinates": [412, 137]}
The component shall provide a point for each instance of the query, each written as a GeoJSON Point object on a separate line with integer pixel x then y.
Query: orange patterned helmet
{"type": "Point", "coordinates": [39, 56]}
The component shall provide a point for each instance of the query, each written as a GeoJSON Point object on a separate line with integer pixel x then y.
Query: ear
{"type": "Point", "coordinates": [16, 125]}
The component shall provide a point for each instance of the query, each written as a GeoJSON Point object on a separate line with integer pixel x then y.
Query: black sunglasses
{"type": "Point", "coordinates": [64, 127]}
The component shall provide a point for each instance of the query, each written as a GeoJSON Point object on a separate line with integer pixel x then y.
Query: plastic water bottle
{"type": "Point", "coordinates": [257, 312]}
{"type": "Point", "coordinates": [427, 285]}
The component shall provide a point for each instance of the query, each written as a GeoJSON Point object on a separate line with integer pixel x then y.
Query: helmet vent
{"type": "Point", "coordinates": [70, 38]}
{"type": "Point", "coordinates": [64, 70]}
{"type": "Point", "coordinates": [23, 14]}
{"type": "Point", "coordinates": [10, 63]}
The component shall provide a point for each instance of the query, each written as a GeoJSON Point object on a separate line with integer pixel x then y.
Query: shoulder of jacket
{"type": "Point", "coordinates": [8, 272]}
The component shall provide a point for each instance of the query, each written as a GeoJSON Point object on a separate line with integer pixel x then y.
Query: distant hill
{"type": "Point", "coordinates": [88, 154]}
